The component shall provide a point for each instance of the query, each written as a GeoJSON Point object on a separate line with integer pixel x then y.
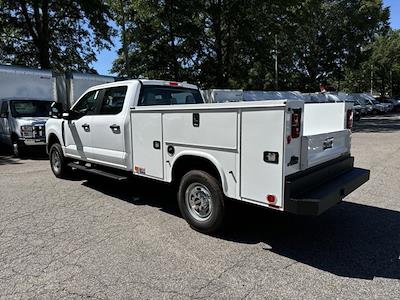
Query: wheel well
{"type": "Point", "coordinates": [52, 140]}
{"type": "Point", "coordinates": [14, 137]}
{"type": "Point", "coordinates": [187, 163]}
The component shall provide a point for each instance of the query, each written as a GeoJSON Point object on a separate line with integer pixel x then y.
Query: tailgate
{"type": "Point", "coordinates": [320, 148]}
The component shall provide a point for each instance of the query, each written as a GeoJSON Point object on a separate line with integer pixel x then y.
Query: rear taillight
{"type": "Point", "coordinates": [349, 119]}
{"type": "Point", "coordinates": [296, 123]}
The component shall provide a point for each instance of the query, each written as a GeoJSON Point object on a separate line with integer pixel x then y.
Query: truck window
{"type": "Point", "coordinates": [160, 95]}
{"type": "Point", "coordinates": [113, 100]}
{"type": "Point", "coordinates": [87, 104]}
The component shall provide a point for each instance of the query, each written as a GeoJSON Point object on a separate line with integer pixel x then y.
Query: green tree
{"type": "Point", "coordinates": [228, 43]}
{"type": "Point", "coordinates": [161, 37]}
{"type": "Point", "coordinates": [330, 35]}
{"type": "Point", "coordinates": [385, 61]}
{"type": "Point", "coordinates": [53, 33]}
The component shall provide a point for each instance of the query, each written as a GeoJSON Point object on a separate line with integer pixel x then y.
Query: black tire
{"type": "Point", "coordinates": [199, 186]}
{"type": "Point", "coordinates": [18, 149]}
{"type": "Point", "coordinates": [58, 162]}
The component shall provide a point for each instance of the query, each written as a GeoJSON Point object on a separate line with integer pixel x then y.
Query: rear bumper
{"type": "Point", "coordinates": [314, 191]}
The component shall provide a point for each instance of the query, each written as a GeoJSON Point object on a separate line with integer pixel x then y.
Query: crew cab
{"type": "Point", "coordinates": [283, 155]}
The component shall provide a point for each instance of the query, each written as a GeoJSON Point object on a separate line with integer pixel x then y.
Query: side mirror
{"type": "Point", "coordinates": [70, 115]}
{"type": "Point", "coordinates": [4, 115]}
{"type": "Point", "coordinates": [67, 116]}
{"type": "Point", "coordinates": [56, 110]}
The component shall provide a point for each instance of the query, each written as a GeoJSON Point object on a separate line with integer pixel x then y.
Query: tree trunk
{"type": "Point", "coordinates": [174, 59]}
{"type": "Point", "coordinates": [39, 29]}
{"type": "Point", "coordinates": [45, 37]}
{"type": "Point", "coordinates": [217, 26]}
{"type": "Point", "coordinates": [124, 42]}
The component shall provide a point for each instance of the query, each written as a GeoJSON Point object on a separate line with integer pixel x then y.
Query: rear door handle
{"type": "Point", "coordinates": [86, 127]}
{"type": "Point", "coordinates": [115, 128]}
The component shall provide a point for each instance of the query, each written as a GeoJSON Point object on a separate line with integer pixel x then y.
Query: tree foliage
{"type": "Point", "coordinates": [215, 43]}
{"type": "Point", "coordinates": [230, 43]}
{"type": "Point", "coordinates": [54, 34]}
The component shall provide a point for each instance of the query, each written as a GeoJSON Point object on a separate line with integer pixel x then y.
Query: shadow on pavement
{"type": "Point", "coordinates": [34, 153]}
{"type": "Point", "coordinates": [386, 123]}
{"type": "Point", "coordinates": [350, 240]}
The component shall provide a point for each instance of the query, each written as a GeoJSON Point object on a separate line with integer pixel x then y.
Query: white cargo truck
{"type": "Point", "coordinates": [284, 155]}
{"type": "Point", "coordinates": [25, 99]}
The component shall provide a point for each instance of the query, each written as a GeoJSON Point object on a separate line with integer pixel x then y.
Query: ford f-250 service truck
{"type": "Point", "coordinates": [284, 155]}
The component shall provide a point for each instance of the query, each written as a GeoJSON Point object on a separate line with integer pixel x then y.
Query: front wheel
{"type": "Point", "coordinates": [17, 149]}
{"type": "Point", "coordinates": [58, 162]}
{"type": "Point", "coordinates": [201, 201]}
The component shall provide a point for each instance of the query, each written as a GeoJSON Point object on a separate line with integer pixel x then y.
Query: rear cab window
{"type": "Point", "coordinates": [163, 95]}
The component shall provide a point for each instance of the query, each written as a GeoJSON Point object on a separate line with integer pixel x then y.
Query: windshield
{"type": "Point", "coordinates": [30, 108]}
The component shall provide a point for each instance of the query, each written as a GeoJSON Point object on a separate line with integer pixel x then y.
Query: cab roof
{"type": "Point", "coordinates": [146, 82]}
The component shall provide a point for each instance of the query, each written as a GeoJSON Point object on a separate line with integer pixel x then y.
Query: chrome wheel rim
{"type": "Point", "coordinates": [198, 201]}
{"type": "Point", "coordinates": [56, 161]}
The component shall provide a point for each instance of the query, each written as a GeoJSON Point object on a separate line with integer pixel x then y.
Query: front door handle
{"type": "Point", "coordinates": [115, 128]}
{"type": "Point", "coordinates": [86, 127]}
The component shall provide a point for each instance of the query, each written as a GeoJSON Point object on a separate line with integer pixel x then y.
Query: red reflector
{"type": "Point", "coordinates": [271, 198]}
{"type": "Point", "coordinates": [173, 83]}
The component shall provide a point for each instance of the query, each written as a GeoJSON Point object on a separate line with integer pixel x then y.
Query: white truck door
{"type": "Point", "coordinates": [147, 144]}
{"type": "Point", "coordinates": [262, 155]}
{"type": "Point", "coordinates": [78, 132]}
{"type": "Point", "coordinates": [107, 128]}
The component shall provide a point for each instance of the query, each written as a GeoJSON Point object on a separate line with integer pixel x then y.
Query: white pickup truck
{"type": "Point", "coordinates": [284, 155]}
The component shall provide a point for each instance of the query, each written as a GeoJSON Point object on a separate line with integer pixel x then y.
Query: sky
{"type": "Point", "coordinates": [105, 58]}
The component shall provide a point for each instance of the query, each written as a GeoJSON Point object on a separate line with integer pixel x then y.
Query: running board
{"type": "Point", "coordinates": [98, 172]}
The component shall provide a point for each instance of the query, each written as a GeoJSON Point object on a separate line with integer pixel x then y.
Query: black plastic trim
{"type": "Point", "coordinates": [314, 191]}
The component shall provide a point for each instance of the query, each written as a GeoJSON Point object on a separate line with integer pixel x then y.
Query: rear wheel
{"type": "Point", "coordinates": [201, 201]}
{"type": "Point", "coordinates": [58, 162]}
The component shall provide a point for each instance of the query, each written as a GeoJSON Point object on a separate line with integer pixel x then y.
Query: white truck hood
{"type": "Point", "coordinates": [31, 120]}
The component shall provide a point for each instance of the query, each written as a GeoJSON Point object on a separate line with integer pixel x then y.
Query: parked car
{"type": "Point", "coordinates": [388, 103]}
{"type": "Point", "coordinates": [273, 154]}
{"type": "Point", "coordinates": [22, 123]}
{"type": "Point", "coordinates": [396, 103]}
{"type": "Point", "coordinates": [371, 105]}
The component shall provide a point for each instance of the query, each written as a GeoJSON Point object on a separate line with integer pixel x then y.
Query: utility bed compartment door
{"type": "Point", "coordinates": [319, 148]}
{"type": "Point", "coordinates": [262, 131]}
{"type": "Point", "coordinates": [147, 144]}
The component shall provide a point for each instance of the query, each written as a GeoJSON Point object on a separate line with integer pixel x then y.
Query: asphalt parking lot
{"type": "Point", "coordinates": [100, 239]}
